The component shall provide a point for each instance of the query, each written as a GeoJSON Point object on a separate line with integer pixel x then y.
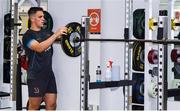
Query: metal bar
{"type": "Point", "coordinates": [82, 77]}
{"type": "Point", "coordinates": [160, 77]}
{"type": "Point", "coordinates": [127, 34]}
{"type": "Point", "coordinates": [85, 66]}
{"type": "Point", "coordinates": [162, 64]}
{"type": "Point", "coordinates": [86, 71]}
{"type": "Point", "coordinates": [95, 85]}
{"type": "Point", "coordinates": [14, 62]}
{"type": "Point", "coordinates": [34, 2]}
{"type": "Point", "coordinates": [173, 92]}
{"type": "Point", "coordinates": [38, 2]}
{"type": "Point", "coordinates": [165, 85]}
{"type": "Point", "coordinates": [18, 87]}
{"type": "Point", "coordinates": [21, 2]}
{"type": "Point", "coordinates": [177, 24]}
{"type": "Point", "coordinates": [132, 40]}
{"type": "Point", "coordinates": [17, 69]}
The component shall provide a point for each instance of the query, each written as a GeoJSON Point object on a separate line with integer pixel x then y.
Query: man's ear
{"type": "Point", "coordinates": [32, 18]}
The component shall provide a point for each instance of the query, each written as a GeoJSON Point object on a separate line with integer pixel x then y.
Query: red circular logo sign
{"type": "Point", "coordinates": [94, 19]}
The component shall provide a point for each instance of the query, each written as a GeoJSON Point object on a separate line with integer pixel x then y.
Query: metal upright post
{"type": "Point", "coordinates": [14, 62]}
{"type": "Point", "coordinates": [162, 64]}
{"type": "Point", "coordinates": [127, 33]}
{"type": "Point", "coordinates": [85, 77]}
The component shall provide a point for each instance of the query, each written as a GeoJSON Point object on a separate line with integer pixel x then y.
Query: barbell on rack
{"type": "Point", "coordinates": [165, 41]}
{"type": "Point", "coordinates": [75, 36]}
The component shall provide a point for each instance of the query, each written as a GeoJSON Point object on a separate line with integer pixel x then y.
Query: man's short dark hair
{"type": "Point", "coordinates": [33, 10]}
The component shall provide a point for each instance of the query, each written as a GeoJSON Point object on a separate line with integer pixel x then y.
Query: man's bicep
{"type": "Point", "coordinates": [33, 44]}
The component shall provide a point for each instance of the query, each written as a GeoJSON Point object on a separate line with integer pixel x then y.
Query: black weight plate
{"type": "Point", "coordinates": [138, 56]}
{"type": "Point", "coordinates": [71, 48]}
{"type": "Point", "coordinates": [7, 24]}
{"type": "Point", "coordinates": [139, 23]}
{"type": "Point", "coordinates": [6, 72]}
{"type": "Point", "coordinates": [48, 21]}
{"type": "Point", "coordinates": [48, 24]}
{"type": "Point", "coordinates": [7, 47]}
{"type": "Point", "coordinates": [138, 88]}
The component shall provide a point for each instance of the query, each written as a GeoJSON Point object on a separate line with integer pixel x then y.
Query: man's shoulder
{"type": "Point", "coordinates": [27, 36]}
{"type": "Point", "coordinates": [27, 33]}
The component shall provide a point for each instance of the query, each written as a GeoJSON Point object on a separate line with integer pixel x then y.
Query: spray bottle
{"type": "Point", "coordinates": [108, 71]}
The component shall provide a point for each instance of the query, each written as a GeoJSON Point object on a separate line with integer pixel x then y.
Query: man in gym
{"type": "Point", "coordinates": [38, 47]}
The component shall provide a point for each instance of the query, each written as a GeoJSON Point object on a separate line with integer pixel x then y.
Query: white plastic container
{"type": "Point", "coordinates": [108, 74]}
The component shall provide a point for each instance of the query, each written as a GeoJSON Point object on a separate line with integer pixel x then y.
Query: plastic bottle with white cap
{"type": "Point", "coordinates": [98, 74]}
{"type": "Point", "coordinates": [108, 71]}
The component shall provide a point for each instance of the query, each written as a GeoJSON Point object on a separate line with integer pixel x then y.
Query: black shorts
{"type": "Point", "coordinates": [39, 87]}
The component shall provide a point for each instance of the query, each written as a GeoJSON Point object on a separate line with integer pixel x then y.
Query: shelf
{"type": "Point", "coordinates": [98, 85]}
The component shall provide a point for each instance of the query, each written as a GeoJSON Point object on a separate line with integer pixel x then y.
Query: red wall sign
{"type": "Point", "coordinates": [95, 20]}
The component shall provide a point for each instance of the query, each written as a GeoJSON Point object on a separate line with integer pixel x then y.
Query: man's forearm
{"type": "Point", "coordinates": [47, 43]}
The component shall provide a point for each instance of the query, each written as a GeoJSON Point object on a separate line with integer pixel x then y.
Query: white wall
{"type": "Point", "coordinates": [113, 22]}
{"type": "Point", "coordinates": [67, 69]}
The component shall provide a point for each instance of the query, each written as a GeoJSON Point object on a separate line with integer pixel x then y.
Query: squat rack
{"type": "Point", "coordinates": [15, 73]}
{"type": "Point", "coordinates": [162, 42]}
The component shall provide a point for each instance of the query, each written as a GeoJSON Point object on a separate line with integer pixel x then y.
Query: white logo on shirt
{"type": "Point", "coordinates": [48, 49]}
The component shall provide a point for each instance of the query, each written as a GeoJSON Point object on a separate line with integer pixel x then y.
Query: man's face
{"type": "Point", "coordinates": [38, 19]}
